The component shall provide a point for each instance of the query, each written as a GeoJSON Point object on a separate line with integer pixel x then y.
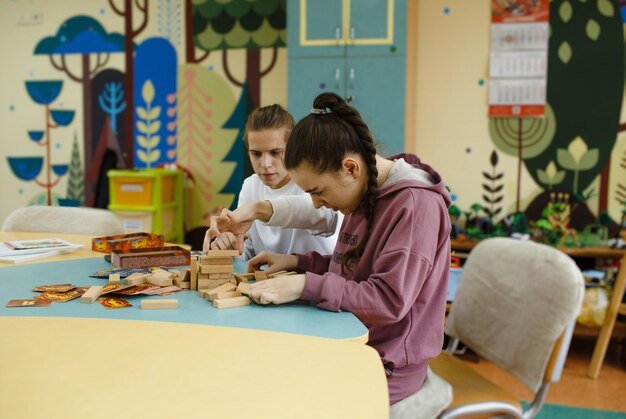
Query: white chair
{"type": "Point", "coordinates": [69, 220]}
{"type": "Point", "coordinates": [516, 307]}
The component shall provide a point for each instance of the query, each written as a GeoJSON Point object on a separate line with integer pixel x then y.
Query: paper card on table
{"type": "Point", "coordinates": [137, 289]}
{"type": "Point", "coordinates": [29, 303]}
{"type": "Point", "coordinates": [113, 287]}
{"type": "Point", "coordinates": [54, 288]}
{"type": "Point", "coordinates": [61, 297]}
{"type": "Point", "coordinates": [114, 302]}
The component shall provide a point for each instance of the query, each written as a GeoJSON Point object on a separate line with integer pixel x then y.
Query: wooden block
{"type": "Point", "coordinates": [114, 277]}
{"type": "Point", "coordinates": [233, 281]}
{"type": "Point", "coordinates": [204, 284]}
{"type": "Point", "coordinates": [216, 269]}
{"type": "Point", "coordinates": [175, 272]}
{"type": "Point", "coordinates": [160, 280]}
{"type": "Point", "coordinates": [185, 275]}
{"type": "Point", "coordinates": [244, 287]}
{"type": "Point", "coordinates": [208, 260]}
{"type": "Point", "coordinates": [162, 303]}
{"type": "Point", "coordinates": [221, 253]}
{"type": "Point", "coordinates": [225, 275]}
{"type": "Point", "coordinates": [193, 275]}
{"type": "Point", "coordinates": [260, 276]}
{"type": "Point", "coordinates": [91, 294]}
{"type": "Point", "coordinates": [231, 302]}
{"type": "Point", "coordinates": [185, 285]}
{"type": "Point", "coordinates": [243, 276]}
{"type": "Point", "coordinates": [212, 294]}
{"type": "Point", "coordinates": [204, 276]}
{"type": "Point", "coordinates": [282, 273]}
{"type": "Point", "coordinates": [136, 279]}
{"type": "Point", "coordinates": [228, 294]}
{"type": "Point", "coordinates": [213, 276]}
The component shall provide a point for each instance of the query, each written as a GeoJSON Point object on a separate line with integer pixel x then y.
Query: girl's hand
{"type": "Point", "coordinates": [275, 261]}
{"type": "Point", "coordinates": [279, 290]}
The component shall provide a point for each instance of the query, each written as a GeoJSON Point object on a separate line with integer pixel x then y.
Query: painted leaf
{"type": "Point", "coordinates": [265, 35]}
{"type": "Point", "coordinates": [593, 30]}
{"type": "Point", "coordinates": [142, 112]}
{"type": "Point", "coordinates": [154, 141]}
{"type": "Point", "coordinates": [154, 155]}
{"type": "Point", "coordinates": [558, 177]}
{"type": "Point", "coordinates": [142, 156]}
{"type": "Point", "coordinates": [543, 177]}
{"type": "Point", "coordinates": [154, 127]}
{"type": "Point", "coordinates": [565, 52]}
{"type": "Point", "coordinates": [142, 127]}
{"type": "Point", "coordinates": [154, 113]}
{"type": "Point", "coordinates": [565, 159]}
{"type": "Point", "coordinates": [238, 36]}
{"type": "Point", "coordinates": [606, 8]}
{"type": "Point", "coordinates": [143, 141]}
{"type": "Point", "coordinates": [565, 11]}
{"type": "Point", "coordinates": [577, 148]}
{"type": "Point", "coordinates": [147, 91]}
{"type": "Point", "coordinates": [589, 159]}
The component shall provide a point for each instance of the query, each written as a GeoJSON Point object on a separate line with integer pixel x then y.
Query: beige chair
{"type": "Point", "coordinates": [515, 306]}
{"type": "Point", "coordinates": [69, 220]}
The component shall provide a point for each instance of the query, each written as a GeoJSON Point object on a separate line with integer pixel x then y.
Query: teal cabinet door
{"type": "Point", "coordinates": [308, 77]}
{"type": "Point", "coordinates": [375, 87]}
{"type": "Point", "coordinates": [314, 28]}
{"type": "Point", "coordinates": [376, 27]}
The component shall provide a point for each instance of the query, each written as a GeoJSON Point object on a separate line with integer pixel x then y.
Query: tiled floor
{"type": "Point", "coordinates": [608, 392]}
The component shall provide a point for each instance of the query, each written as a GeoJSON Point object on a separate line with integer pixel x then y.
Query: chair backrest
{"type": "Point", "coordinates": [515, 299]}
{"type": "Point", "coordinates": [69, 220]}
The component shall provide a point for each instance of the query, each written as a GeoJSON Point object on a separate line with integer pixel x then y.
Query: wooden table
{"type": "Point", "coordinates": [156, 363]}
{"type": "Point", "coordinates": [609, 327]}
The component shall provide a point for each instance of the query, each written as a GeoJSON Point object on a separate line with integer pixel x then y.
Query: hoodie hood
{"type": "Point", "coordinates": [408, 171]}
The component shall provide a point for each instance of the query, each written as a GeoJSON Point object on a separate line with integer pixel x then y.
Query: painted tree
{"type": "Point", "coordinates": [235, 24]}
{"type": "Point", "coordinates": [155, 116]}
{"type": "Point", "coordinates": [524, 138]}
{"type": "Point", "coordinates": [43, 92]}
{"type": "Point", "coordinates": [237, 121]}
{"type": "Point", "coordinates": [205, 102]}
{"type": "Point", "coordinates": [112, 102]}
{"type": "Point", "coordinates": [83, 36]}
{"type": "Point", "coordinates": [169, 18]}
{"type": "Point", "coordinates": [76, 176]}
{"type": "Point", "coordinates": [130, 33]}
{"type": "Point", "coordinates": [585, 89]}
{"type": "Point", "coordinates": [493, 188]}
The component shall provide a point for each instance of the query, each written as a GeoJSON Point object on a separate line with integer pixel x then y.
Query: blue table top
{"type": "Point", "coordinates": [17, 282]}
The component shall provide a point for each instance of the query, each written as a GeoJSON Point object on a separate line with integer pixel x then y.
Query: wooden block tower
{"type": "Point", "coordinates": [213, 269]}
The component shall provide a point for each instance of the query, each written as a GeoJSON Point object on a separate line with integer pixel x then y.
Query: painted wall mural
{"type": "Point", "coordinates": [566, 151]}
{"type": "Point", "coordinates": [43, 92]}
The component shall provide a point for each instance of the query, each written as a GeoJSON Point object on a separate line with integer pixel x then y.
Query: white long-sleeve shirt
{"type": "Point", "coordinates": [318, 228]}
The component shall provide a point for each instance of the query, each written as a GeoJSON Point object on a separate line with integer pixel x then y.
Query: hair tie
{"type": "Point", "coordinates": [320, 111]}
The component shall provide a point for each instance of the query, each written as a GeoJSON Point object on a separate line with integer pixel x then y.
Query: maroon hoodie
{"type": "Point", "coordinates": [398, 287]}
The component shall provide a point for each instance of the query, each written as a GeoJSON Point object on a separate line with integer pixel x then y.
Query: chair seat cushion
{"type": "Point", "coordinates": [468, 386]}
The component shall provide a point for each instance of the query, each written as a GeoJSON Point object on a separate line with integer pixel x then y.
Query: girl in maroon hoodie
{"type": "Point", "coordinates": [390, 265]}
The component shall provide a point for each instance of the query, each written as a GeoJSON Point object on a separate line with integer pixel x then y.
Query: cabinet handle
{"type": "Point", "coordinates": [351, 77]}
{"type": "Point", "coordinates": [352, 34]}
{"type": "Point", "coordinates": [338, 35]}
{"type": "Point", "coordinates": [337, 78]}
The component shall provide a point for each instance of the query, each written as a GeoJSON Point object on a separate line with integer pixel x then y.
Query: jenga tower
{"type": "Point", "coordinates": [214, 269]}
